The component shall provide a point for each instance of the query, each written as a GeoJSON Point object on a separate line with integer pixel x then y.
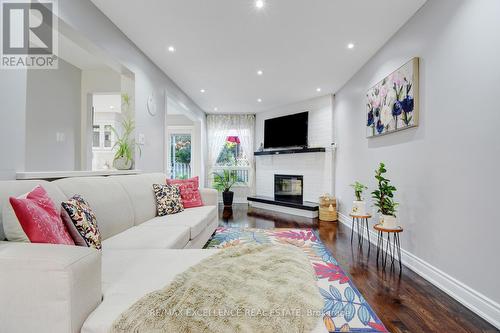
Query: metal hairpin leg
{"type": "Point", "coordinates": [352, 229]}
{"type": "Point", "coordinates": [399, 251]}
{"type": "Point", "coordinates": [367, 232]}
{"type": "Point", "coordinates": [379, 239]}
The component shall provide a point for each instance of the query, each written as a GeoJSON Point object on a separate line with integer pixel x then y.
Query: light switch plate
{"type": "Point", "coordinates": [141, 139]}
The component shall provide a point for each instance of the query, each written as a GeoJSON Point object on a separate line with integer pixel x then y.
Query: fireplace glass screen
{"type": "Point", "coordinates": [288, 188]}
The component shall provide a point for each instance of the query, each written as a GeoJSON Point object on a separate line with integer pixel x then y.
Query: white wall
{"type": "Point", "coordinates": [315, 167]}
{"type": "Point", "coordinates": [12, 122]}
{"type": "Point", "coordinates": [446, 170]}
{"type": "Point", "coordinates": [85, 18]}
{"type": "Point", "coordinates": [94, 81]}
{"type": "Point", "coordinates": [53, 108]}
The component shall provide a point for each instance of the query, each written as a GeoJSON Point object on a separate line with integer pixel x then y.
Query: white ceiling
{"type": "Point", "coordinates": [220, 44]}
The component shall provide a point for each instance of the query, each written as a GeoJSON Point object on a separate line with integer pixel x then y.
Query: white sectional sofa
{"type": "Point", "coordinates": [58, 288]}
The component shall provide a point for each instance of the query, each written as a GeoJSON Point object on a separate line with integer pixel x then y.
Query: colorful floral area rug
{"type": "Point", "coordinates": [345, 309]}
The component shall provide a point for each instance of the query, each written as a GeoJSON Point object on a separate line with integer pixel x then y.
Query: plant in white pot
{"type": "Point", "coordinates": [125, 143]}
{"type": "Point", "coordinates": [383, 199]}
{"type": "Point", "coordinates": [358, 206]}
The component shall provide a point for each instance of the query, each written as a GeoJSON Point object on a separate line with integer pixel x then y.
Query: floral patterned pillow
{"type": "Point", "coordinates": [168, 199]}
{"type": "Point", "coordinates": [81, 222]}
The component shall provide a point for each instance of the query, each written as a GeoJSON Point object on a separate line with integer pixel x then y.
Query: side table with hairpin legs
{"type": "Point", "coordinates": [361, 222]}
{"type": "Point", "coordinates": [392, 247]}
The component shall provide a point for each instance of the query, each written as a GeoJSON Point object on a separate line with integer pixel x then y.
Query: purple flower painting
{"type": "Point", "coordinates": [392, 104]}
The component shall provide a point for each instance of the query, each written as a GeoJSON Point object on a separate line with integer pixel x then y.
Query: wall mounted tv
{"type": "Point", "coordinates": [287, 131]}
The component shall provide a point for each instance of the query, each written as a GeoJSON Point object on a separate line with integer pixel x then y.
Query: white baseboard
{"type": "Point", "coordinates": [483, 306]}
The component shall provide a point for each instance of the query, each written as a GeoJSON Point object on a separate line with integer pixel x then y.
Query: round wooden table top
{"type": "Point", "coordinates": [380, 228]}
{"type": "Point", "coordinates": [365, 216]}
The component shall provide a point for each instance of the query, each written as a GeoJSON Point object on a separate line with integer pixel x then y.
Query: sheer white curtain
{"type": "Point", "coordinates": [219, 128]}
{"type": "Point", "coordinates": [245, 130]}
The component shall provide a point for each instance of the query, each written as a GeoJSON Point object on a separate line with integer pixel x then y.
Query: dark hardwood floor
{"type": "Point", "coordinates": [404, 303]}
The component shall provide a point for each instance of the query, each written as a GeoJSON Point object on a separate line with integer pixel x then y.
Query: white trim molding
{"type": "Point", "coordinates": [480, 304]}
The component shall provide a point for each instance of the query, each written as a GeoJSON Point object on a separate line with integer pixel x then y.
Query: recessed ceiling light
{"type": "Point", "coordinates": [350, 45]}
{"type": "Point", "coordinates": [259, 100]}
{"type": "Point", "coordinates": [202, 90]}
{"type": "Point", "coordinates": [259, 4]}
{"type": "Point", "coordinates": [111, 107]}
{"type": "Point", "coordinates": [318, 89]}
{"type": "Point", "coordinates": [216, 109]}
{"type": "Point", "coordinates": [259, 72]}
{"type": "Point", "coordinates": [171, 49]}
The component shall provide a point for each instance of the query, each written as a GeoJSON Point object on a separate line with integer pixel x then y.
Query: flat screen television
{"type": "Point", "coordinates": [287, 131]}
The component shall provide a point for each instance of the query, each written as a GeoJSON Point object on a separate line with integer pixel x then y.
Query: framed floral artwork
{"type": "Point", "coordinates": [392, 104]}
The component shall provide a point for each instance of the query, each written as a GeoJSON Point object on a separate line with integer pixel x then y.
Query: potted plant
{"type": "Point", "coordinates": [358, 206]}
{"type": "Point", "coordinates": [383, 198]}
{"type": "Point", "coordinates": [223, 181]}
{"type": "Point", "coordinates": [125, 143]}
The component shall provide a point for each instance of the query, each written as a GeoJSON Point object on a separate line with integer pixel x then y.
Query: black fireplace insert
{"type": "Point", "coordinates": [289, 188]}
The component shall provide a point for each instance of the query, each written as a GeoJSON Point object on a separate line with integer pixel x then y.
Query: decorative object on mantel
{"type": "Point", "coordinates": [358, 206]}
{"type": "Point", "coordinates": [151, 105]}
{"type": "Point", "coordinates": [327, 208]}
{"type": "Point", "coordinates": [261, 147]}
{"type": "Point", "coordinates": [223, 181]}
{"type": "Point", "coordinates": [383, 199]}
{"type": "Point", "coordinates": [392, 104]}
{"type": "Point", "coordinates": [126, 144]}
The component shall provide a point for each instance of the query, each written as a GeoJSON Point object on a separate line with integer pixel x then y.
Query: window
{"type": "Point", "coordinates": [107, 136]}
{"type": "Point", "coordinates": [102, 137]}
{"type": "Point", "coordinates": [180, 156]}
{"type": "Point", "coordinates": [230, 141]}
{"type": "Point", "coordinates": [96, 142]}
{"type": "Point", "coordinates": [232, 157]}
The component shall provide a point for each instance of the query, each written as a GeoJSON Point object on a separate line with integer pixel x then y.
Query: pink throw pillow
{"type": "Point", "coordinates": [190, 194]}
{"type": "Point", "coordinates": [40, 219]}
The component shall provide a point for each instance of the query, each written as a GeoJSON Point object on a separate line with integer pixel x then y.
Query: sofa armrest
{"type": "Point", "coordinates": [46, 287]}
{"type": "Point", "coordinates": [209, 196]}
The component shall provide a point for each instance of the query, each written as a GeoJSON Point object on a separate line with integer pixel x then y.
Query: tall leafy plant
{"type": "Point", "coordinates": [383, 196]}
{"type": "Point", "coordinates": [223, 181]}
{"type": "Point", "coordinates": [125, 142]}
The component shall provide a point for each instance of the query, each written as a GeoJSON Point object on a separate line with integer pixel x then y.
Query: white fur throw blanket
{"type": "Point", "coordinates": [247, 288]}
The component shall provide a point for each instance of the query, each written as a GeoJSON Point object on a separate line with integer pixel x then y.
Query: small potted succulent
{"type": "Point", "coordinates": [223, 181]}
{"type": "Point", "coordinates": [358, 206]}
{"type": "Point", "coordinates": [383, 198]}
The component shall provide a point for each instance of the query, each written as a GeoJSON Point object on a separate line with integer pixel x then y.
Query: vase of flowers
{"type": "Point", "coordinates": [383, 198]}
{"type": "Point", "coordinates": [358, 206]}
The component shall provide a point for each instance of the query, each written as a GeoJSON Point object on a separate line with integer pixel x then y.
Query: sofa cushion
{"type": "Point", "coordinates": [81, 222]}
{"type": "Point", "coordinates": [168, 199]}
{"type": "Point", "coordinates": [108, 200]}
{"type": "Point", "coordinates": [39, 218]}
{"type": "Point", "coordinates": [47, 288]}
{"type": "Point", "coordinates": [130, 274]}
{"type": "Point", "coordinates": [190, 194]}
{"type": "Point", "coordinates": [14, 188]}
{"type": "Point", "coordinates": [197, 219]}
{"type": "Point", "coordinates": [149, 237]}
{"type": "Point", "coordinates": [141, 194]}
